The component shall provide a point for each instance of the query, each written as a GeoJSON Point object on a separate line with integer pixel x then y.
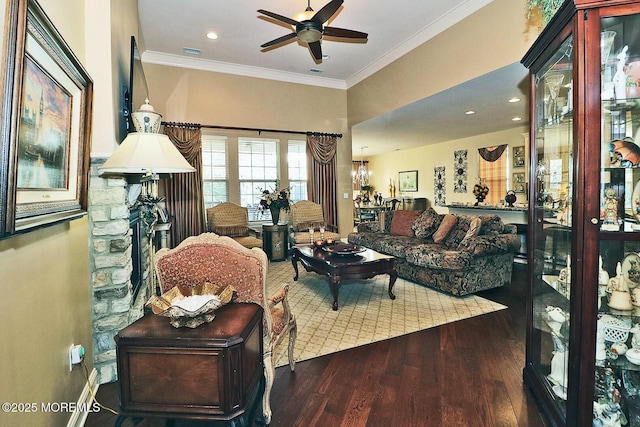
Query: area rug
{"type": "Point", "coordinates": [366, 313]}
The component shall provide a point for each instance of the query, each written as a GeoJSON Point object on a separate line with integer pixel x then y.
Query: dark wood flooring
{"type": "Point", "coordinates": [466, 373]}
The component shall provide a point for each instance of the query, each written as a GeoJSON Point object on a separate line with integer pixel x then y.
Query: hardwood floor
{"type": "Point", "coordinates": [466, 373]}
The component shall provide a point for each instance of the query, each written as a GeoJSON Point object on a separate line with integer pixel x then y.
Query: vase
{"type": "Point", "coordinates": [275, 215]}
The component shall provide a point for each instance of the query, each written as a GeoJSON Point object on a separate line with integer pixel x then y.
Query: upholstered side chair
{"type": "Point", "coordinates": [304, 215]}
{"type": "Point", "coordinates": [222, 260]}
{"type": "Point", "coordinates": [232, 220]}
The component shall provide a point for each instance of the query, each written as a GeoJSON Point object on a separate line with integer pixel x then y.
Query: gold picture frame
{"type": "Point", "coordinates": [45, 141]}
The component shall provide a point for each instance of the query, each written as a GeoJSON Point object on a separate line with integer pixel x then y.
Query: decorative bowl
{"type": "Point", "coordinates": [191, 307]}
{"type": "Point", "coordinates": [344, 249]}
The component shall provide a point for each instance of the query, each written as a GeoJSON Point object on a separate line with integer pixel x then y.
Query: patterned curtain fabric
{"type": "Point", "coordinates": [322, 174]}
{"type": "Point", "coordinates": [185, 201]}
{"type": "Point", "coordinates": [491, 154]}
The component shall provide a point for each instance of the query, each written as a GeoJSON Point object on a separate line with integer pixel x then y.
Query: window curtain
{"type": "Point", "coordinates": [183, 192]}
{"type": "Point", "coordinates": [493, 172]}
{"type": "Point", "coordinates": [321, 185]}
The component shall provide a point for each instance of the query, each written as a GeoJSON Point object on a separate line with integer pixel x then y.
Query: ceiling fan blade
{"type": "Point", "coordinates": [327, 11]}
{"type": "Point", "coordinates": [279, 17]}
{"type": "Point", "coordinates": [279, 40]}
{"type": "Point", "coordinates": [341, 32]}
{"type": "Point", "coordinates": [316, 51]}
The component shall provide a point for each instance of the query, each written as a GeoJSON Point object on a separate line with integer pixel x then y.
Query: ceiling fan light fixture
{"type": "Point", "coordinates": [309, 31]}
{"type": "Point", "coordinates": [304, 16]}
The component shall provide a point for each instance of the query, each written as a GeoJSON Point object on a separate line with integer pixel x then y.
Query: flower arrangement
{"type": "Point", "coordinates": [547, 8]}
{"type": "Point", "coordinates": [480, 191]}
{"type": "Point", "coordinates": [276, 199]}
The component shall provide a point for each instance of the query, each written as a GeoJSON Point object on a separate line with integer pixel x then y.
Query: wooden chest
{"type": "Point", "coordinates": [211, 372]}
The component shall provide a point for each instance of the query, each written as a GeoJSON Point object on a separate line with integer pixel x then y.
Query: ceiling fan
{"type": "Point", "coordinates": [310, 28]}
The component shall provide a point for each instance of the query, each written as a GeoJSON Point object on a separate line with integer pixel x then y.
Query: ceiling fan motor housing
{"type": "Point", "coordinates": [309, 31]}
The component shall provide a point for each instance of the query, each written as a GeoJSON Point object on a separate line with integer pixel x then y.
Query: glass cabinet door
{"type": "Point", "coordinates": [617, 371]}
{"type": "Point", "coordinates": [552, 163]}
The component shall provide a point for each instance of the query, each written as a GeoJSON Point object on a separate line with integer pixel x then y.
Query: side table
{"type": "Point", "coordinates": [275, 241]}
{"type": "Point", "coordinates": [212, 372]}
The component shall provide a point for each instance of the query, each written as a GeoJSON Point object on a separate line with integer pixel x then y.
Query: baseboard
{"type": "Point", "coordinates": [78, 417]}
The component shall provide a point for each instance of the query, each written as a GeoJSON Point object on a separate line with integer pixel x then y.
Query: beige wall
{"type": "Point", "coordinates": [46, 273]}
{"type": "Point", "coordinates": [424, 159]}
{"type": "Point", "coordinates": [208, 98]}
{"type": "Point", "coordinates": [497, 35]}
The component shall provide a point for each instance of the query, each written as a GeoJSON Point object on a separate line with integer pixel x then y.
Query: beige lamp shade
{"type": "Point", "coordinates": [145, 153]}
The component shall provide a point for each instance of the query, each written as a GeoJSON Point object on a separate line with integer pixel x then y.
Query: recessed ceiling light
{"type": "Point", "coordinates": [516, 119]}
{"type": "Point", "coordinates": [212, 36]}
{"type": "Point", "coordinates": [325, 57]}
{"type": "Point", "coordinates": [470, 112]}
{"type": "Point", "coordinates": [191, 51]}
{"type": "Point", "coordinates": [514, 99]}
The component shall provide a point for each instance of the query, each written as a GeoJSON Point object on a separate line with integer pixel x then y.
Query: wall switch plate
{"type": "Point", "coordinates": [346, 195]}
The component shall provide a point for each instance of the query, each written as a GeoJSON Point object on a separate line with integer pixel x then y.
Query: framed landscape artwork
{"type": "Point", "coordinates": [45, 125]}
{"type": "Point", "coordinates": [408, 180]}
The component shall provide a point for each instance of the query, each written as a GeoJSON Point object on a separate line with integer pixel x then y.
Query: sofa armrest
{"type": "Point", "coordinates": [490, 244]}
{"type": "Point", "coordinates": [373, 227]}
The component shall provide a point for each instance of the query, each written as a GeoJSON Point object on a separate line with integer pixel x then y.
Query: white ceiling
{"type": "Point", "coordinates": [394, 28]}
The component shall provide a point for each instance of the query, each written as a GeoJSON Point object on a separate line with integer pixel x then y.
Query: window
{"type": "Point", "coordinates": [297, 168]}
{"type": "Point", "coordinates": [494, 175]}
{"type": "Point", "coordinates": [258, 171]}
{"type": "Point", "coordinates": [214, 170]}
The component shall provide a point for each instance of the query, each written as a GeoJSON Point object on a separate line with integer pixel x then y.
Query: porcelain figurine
{"type": "Point", "coordinates": [620, 78]}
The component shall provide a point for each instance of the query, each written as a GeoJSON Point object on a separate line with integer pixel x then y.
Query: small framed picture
{"type": "Point", "coordinates": [519, 185]}
{"type": "Point", "coordinates": [408, 180]}
{"type": "Point", "coordinates": [518, 157]}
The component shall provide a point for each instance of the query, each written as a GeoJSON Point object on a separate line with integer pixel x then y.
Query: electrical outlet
{"type": "Point", "coordinates": [76, 354]}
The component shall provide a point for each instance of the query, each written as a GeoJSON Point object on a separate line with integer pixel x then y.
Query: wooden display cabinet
{"type": "Point", "coordinates": [583, 214]}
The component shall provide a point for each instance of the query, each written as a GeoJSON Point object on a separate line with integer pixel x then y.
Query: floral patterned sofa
{"type": "Point", "coordinates": [457, 254]}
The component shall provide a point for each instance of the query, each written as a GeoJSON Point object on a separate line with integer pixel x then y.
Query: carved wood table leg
{"type": "Point", "coordinates": [335, 286]}
{"type": "Point", "coordinates": [393, 275]}
{"type": "Point", "coordinates": [294, 262]}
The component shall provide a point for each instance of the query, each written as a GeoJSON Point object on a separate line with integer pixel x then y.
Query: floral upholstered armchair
{"type": "Point", "coordinates": [229, 219]}
{"type": "Point", "coordinates": [304, 215]}
{"type": "Point", "coordinates": [222, 261]}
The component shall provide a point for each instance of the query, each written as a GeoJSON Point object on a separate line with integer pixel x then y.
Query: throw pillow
{"type": "Point", "coordinates": [401, 223]}
{"type": "Point", "coordinates": [474, 230]}
{"type": "Point", "coordinates": [458, 232]}
{"type": "Point", "coordinates": [448, 222]}
{"type": "Point", "coordinates": [491, 224]}
{"type": "Point", "coordinates": [427, 223]}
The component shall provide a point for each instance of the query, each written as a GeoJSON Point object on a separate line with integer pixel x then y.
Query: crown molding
{"type": "Point", "coordinates": [160, 58]}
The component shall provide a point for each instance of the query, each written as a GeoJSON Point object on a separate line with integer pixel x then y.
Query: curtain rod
{"type": "Point", "coordinates": [337, 135]}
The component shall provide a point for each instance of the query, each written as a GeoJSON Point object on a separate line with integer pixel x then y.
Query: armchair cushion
{"type": "Point", "coordinates": [232, 220]}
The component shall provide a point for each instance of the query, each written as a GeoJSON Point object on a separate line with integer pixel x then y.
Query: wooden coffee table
{"type": "Point", "coordinates": [363, 265]}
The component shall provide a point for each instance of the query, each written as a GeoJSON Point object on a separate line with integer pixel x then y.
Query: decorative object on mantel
{"type": "Point", "coordinates": [460, 171]}
{"type": "Point", "coordinates": [480, 191]}
{"type": "Point", "coordinates": [439, 186]}
{"type": "Point", "coordinates": [275, 201]}
{"type": "Point", "coordinates": [547, 8]}
{"type": "Point", "coordinates": [510, 198]}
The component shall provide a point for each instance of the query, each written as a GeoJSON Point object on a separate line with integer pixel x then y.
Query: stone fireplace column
{"type": "Point", "coordinates": [110, 249]}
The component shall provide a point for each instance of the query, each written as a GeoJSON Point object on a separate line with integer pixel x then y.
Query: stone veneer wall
{"type": "Point", "coordinates": [111, 266]}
